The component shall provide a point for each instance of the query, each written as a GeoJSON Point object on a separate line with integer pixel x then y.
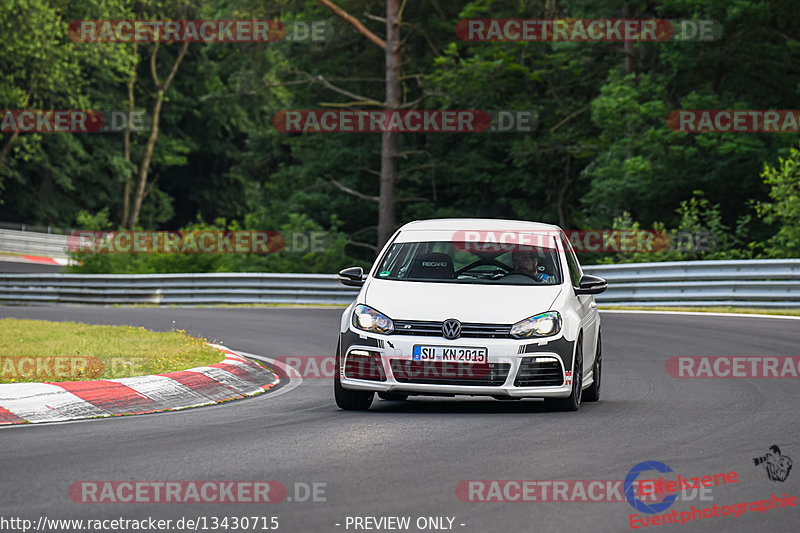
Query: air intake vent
{"type": "Point", "coordinates": [539, 372]}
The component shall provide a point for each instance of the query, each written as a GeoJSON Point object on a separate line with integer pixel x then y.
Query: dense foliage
{"type": "Point", "coordinates": [601, 156]}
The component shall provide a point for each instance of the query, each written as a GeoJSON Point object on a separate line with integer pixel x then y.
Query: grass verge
{"type": "Point", "coordinates": [38, 350]}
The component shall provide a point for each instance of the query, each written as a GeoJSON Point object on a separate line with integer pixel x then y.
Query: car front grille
{"type": "Point", "coordinates": [434, 329]}
{"type": "Point", "coordinates": [442, 373]}
{"type": "Point", "coordinates": [546, 372]}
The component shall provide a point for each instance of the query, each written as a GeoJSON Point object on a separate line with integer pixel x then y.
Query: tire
{"type": "Point", "coordinates": [349, 400]}
{"type": "Point", "coordinates": [592, 394]}
{"type": "Point", "coordinates": [573, 401]}
{"type": "Point", "coordinates": [392, 396]}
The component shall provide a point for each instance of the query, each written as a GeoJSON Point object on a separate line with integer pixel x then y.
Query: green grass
{"type": "Point", "coordinates": [37, 350]}
{"type": "Point", "coordinates": [743, 310]}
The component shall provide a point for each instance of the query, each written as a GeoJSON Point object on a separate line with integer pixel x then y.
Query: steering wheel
{"type": "Point", "coordinates": [483, 261]}
{"type": "Point", "coordinates": [521, 273]}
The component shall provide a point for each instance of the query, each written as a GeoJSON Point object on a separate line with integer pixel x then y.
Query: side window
{"type": "Point", "coordinates": [572, 262]}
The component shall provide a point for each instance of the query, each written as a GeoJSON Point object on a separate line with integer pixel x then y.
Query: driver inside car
{"type": "Point", "coordinates": [528, 263]}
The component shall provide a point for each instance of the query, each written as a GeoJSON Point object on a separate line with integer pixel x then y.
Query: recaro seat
{"type": "Point", "coordinates": [434, 265]}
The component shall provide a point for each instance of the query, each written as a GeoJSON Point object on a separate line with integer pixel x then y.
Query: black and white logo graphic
{"type": "Point", "coordinates": [777, 466]}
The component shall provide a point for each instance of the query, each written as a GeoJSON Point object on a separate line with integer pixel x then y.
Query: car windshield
{"type": "Point", "coordinates": [470, 262]}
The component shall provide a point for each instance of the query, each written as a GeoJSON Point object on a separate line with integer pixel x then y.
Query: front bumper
{"type": "Point", "coordinates": [514, 365]}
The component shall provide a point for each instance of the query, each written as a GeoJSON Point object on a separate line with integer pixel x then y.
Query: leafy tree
{"type": "Point", "coordinates": [601, 155]}
{"type": "Point", "coordinates": [784, 209]}
{"type": "Point", "coordinates": [41, 70]}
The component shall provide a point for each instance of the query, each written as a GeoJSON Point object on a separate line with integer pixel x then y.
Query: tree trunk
{"type": "Point", "coordinates": [126, 141]}
{"type": "Point", "coordinates": [7, 148]}
{"type": "Point", "coordinates": [562, 216]}
{"type": "Point", "coordinates": [144, 167]}
{"type": "Point", "coordinates": [389, 140]}
{"type": "Point", "coordinates": [627, 46]}
{"type": "Point", "coordinates": [628, 52]}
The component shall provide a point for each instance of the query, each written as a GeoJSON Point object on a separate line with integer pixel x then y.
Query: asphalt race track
{"type": "Point", "coordinates": [28, 268]}
{"type": "Point", "coordinates": [407, 458]}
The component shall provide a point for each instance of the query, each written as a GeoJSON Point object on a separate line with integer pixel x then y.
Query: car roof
{"type": "Point", "coordinates": [477, 224]}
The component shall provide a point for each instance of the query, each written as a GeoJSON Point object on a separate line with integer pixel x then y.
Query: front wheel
{"type": "Point", "coordinates": [573, 401]}
{"type": "Point", "coordinates": [349, 400]}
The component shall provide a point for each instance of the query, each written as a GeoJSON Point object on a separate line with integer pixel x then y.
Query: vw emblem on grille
{"type": "Point", "coordinates": [451, 328]}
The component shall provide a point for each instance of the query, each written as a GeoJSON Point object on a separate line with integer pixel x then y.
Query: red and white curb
{"type": "Point", "coordinates": [232, 378]}
{"type": "Point", "coordinates": [37, 259]}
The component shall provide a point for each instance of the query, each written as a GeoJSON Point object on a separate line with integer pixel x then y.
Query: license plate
{"type": "Point", "coordinates": [453, 354]}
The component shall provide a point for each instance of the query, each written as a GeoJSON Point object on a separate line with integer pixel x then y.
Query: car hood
{"type": "Point", "coordinates": [488, 304]}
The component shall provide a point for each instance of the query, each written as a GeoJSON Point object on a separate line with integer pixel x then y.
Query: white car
{"type": "Point", "coordinates": [476, 307]}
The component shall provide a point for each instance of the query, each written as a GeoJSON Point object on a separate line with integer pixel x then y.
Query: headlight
{"type": "Point", "coordinates": [368, 319]}
{"type": "Point", "coordinates": [542, 325]}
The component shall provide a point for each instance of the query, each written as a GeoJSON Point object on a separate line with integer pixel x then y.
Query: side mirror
{"type": "Point", "coordinates": [591, 285]}
{"type": "Point", "coordinates": [352, 277]}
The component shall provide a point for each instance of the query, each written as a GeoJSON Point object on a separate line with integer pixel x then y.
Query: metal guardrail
{"type": "Point", "coordinates": [34, 228]}
{"type": "Point", "coordinates": [174, 289]}
{"type": "Point", "coordinates": [750, 283]}
{"type": "Point", "coordinates": [32, 243]}
{"type": "Point", "coordinates": [754, 283]}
